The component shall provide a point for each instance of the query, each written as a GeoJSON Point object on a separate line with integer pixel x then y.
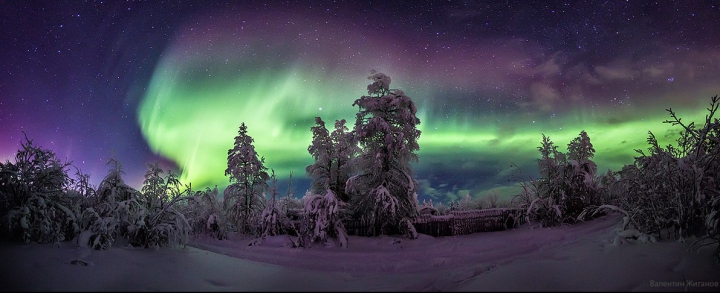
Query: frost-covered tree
{"type": "Point", "coordinates": [33, 203]}
{"type": "Point", "coordinates": [674, 190]}
{"type": "Point", "coordinates": [159, 220]}
{"type": "Point", "coordinates": [345, 149]}
{"type": "Point", "coordinates": [546, 194]}
{"type": "Point", "coordinates": [580, 148]}
{"type": "Point", "coordinates": [386, 129]}
{"type": "Point", "coordinates": [580, 170]}
{"type": "Point", "coordinates": [567, 183]}
{"type": "Point", "coordinates": [113, 187]}
{"type": "Point", "coordinates": [492, 200]}
{"type": "Point", "coordinates": [111, 213]}
{"type": "Point", "coordinates": [321, 149]}
{"type": "Point", "coordinates": [244, 197]}
{"type": "Point", "coordinates": [333, 153]}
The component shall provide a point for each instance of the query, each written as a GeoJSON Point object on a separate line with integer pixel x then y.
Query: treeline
{"type": "Point", "coordinates": [671, 191]}
{"type": "Point", "coordinates": [363, 173]}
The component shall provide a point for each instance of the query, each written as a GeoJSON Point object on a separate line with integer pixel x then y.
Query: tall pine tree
{"type": "Point", "coordinates": [386, 129]}
{"type": "Point", "coordinates": [243, 198]}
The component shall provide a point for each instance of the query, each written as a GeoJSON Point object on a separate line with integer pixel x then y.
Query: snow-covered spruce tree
{"type": "Point", "coordinates": [386, 129]}
{"type": "Point", "coordinates": [321, 149]}
{"type": "Point", "coordinates": [567, 183]}
{"type": "Point", "coordinates": [546, 194]}
{"type": "Point", "coordinates": [333, 153]}
{"type": "Point", "coordinates": [33, 203]}
{"type": "Point", "coordinates": [581, 184]}
{"type": "Point", "coordinates": [244, 197]}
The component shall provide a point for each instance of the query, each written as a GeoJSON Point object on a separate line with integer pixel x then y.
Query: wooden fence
{"type": "Point", "coordinates": [455, 223]}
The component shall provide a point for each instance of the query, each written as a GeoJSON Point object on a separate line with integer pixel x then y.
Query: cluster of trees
{"type": "Point", "coordinates": [363, 173]}
{"type": "Point", "coordinates": [360, 173]}
{"type": "Point", "coordinates": [40, 202]}
{"type": "Point", "coordinates": [567, 184]}
{"type": "Point", "coordinates": [672, 190]}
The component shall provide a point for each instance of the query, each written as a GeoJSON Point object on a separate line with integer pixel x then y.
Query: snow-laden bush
{"type": "Point", "coordinates": [543, 210]}
{"type": "Point", "coordinates": [158, 227]}
{"type": "Point", "coordinates": [274, 217]}
{"type": "Point", "coordinates": [567, 183]}
{"type": "Point", "coordinates": [322, 221]}
{"type": "Point", "coordinates": [33, 205]}
{"type": "Point", "coordinates": [469, 203]}
{"type": "Point", "coordinates": [99, 226]}
{"type": "Point", "coordinates": [150, 219]}
{"type": "Point", "coordinates": [674, 189]}
{"type": "Point", "coordinates": [205, 214]}
{"type": "Point", "coordinates": [159, 220]}
{"type": "Point", "coordinates": [546, 211]}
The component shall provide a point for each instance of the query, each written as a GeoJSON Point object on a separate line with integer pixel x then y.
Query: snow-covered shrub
{"type": "Point", "coordinates": [99, 226]}
{"type": "Point", "coordinates": [149, 219]}
{"type": "Point", "coordinates": [543, 210]}
{"type": "Point", "coordinates": [274, 218]}
{"type": "Point", "coordinates": [427, 209]}
{"type": "Point", "coordinates": [323, 215]}
{"type": "Point", "coordinates": [159, 220]}
{"type": "Point", "coordinates": [675, 189]}
{"type": "Point", "coordinates": [33, 204]}
{"type": "Point", "coordinates": [442, 209]}
{"type": "Point", "coordinates": [567, 183]}
{"type": "Point", "coordinates": [100, 216]}
{"type": "Point", "coordinates": [546, 211]}
{"type": "Point", "coordinates": [469, 203]}
{"type": "Point", "coordinates": [205, 214]}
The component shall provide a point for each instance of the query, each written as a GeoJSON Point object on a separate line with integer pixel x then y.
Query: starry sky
{"type": "Point", "coordinates": [172, 81]}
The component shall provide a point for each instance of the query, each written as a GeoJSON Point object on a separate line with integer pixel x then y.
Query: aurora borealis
{"type": "Point", "coordinates": [172, 82]}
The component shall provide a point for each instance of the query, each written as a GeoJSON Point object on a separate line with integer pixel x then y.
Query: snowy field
{"type": "Point", "coordinates": [581, 257]}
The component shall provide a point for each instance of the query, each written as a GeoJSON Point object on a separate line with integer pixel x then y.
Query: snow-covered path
{"type": "Point", "coordinates": [579, 257]}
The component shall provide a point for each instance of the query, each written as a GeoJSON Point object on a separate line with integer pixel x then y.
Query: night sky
{"type": "Point", "coordinates": [171, 82]}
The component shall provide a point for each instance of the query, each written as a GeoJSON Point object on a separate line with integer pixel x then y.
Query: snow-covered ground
{"type": "Point", "coordinates": [581, 257]}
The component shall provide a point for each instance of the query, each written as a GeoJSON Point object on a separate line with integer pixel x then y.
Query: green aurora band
{"type": "Point", "coordinates": [193, 108]}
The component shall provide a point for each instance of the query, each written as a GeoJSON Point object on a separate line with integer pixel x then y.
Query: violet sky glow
{"type": "Point", "coordinates": [172, 82]}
